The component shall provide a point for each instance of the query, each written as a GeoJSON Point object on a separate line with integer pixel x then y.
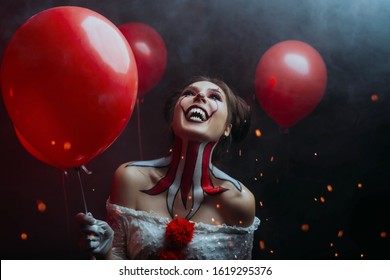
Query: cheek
{"type": "Point", "coordinates": [182, 102]}
{"type": "Point", "coordinates": [215, 107]}
{"type": "Point", "coordinates": [222, 114]}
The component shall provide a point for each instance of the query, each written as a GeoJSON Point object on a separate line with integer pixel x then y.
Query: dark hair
{"type": "Point", "coordinates": [239, 114]}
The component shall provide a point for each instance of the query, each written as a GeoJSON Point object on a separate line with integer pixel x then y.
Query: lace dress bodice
{"type": "Point", "coordinates": [140, 235]}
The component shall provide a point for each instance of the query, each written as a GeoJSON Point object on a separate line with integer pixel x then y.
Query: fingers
{"type": "Point", "coordinates": [105, 229]}
{"type": "Point", "coordinates": [83, 218]}
{"type": "Point", "coordinates": [89, 225]}
{"type": "Point", "coordinates": [92, 241]}
{"type": "Point", "coordinates": [96, 235]}
{"type": "Point", "coordinates": [98, 244]}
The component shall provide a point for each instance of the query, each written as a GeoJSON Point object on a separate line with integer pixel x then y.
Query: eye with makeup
{"type": "Point", "coordinates": [188, 92]}
{"type": "Point", "coordinates": [215, 96]}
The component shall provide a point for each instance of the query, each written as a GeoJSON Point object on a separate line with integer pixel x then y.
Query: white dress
{"type": "Point", "coordinates": [140, 235]}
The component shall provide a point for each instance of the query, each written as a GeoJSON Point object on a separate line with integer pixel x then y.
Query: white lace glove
{"type": "Point", "coordinates": [96, 235]}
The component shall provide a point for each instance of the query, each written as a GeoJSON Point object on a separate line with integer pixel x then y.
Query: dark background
{"type": "Point", "coordinates": [344, 143]}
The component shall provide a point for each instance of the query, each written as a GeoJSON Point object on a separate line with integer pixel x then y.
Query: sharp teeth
{"type": "Point", "coordinates": [195, 118]}
{"type": "Point", "coordinates": [197, 114]}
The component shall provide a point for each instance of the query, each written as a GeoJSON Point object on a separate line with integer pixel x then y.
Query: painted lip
{"type": "Point", "coordinates": [197, 114]}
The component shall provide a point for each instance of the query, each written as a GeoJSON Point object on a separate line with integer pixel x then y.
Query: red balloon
{"type": "Point", "coordinates": [34, 152]}
{"type": "Point", "coordinates": [290, 81]}
{"type": "Point", "coordinates": [69, 83]}
{"type": "Point", "coordinates": [150, 54]}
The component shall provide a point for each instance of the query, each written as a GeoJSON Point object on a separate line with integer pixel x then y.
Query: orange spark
{"type": "Point", "coordinates": [262, 245]}
{"type": "Point", "coordinates": [23, 236]}
{"type": "Point", "coordinates": [305, 227]}
{"type": "Point", "coordinates": [41, 206]}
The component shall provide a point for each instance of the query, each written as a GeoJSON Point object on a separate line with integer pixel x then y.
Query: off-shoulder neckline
{"type": "Point", "coordinates": [152, 216]}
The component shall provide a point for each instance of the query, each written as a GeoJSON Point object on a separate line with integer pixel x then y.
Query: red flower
{"type": "Point", "coordinates": [171, 255]}
{"type": "Point", "coordinates": [179, 232]}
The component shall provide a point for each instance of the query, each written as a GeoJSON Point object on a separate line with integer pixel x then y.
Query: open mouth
{"type": "Point", "coordinates": [196, 114]}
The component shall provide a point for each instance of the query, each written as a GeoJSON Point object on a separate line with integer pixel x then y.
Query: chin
{"type": "Point", "coordinates": [191, 131]}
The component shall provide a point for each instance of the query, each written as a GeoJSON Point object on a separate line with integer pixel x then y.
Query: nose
{"type": "Point", "coordinates": [200, 97]}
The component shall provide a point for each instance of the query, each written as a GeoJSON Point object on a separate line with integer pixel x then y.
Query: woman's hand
{"type": "Point", "coordinates": [96, 235]}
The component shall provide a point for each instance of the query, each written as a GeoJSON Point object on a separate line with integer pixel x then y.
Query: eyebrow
{"type": "Point", "coordinates": [216, 90]}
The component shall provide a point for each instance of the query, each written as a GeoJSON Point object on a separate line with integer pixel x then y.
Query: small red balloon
{"type": "Point", "coordinates": [290, 81]}
{"type": "Point", "coordinates": [69, 83]}
{"type": "Point", "coordinates": [150, 54]}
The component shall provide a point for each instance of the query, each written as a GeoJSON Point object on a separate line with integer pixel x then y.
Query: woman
{"type": "Point", "coordinates": [182, 206]}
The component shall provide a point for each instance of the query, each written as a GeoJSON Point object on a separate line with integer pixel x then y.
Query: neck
{"type": "Point", "coordinates": [188, 171]}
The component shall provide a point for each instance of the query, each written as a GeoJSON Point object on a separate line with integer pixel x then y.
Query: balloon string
{"type": "Point", "coordinates": [286, 136]}
{"type": "Point", "coordinates": [82, 190]}
{"type": "Point", "coordinates": [287, 132]}
{"type": "Point", "coordinates": [66, 203]}
{"type": "Point", "coordinates": [139, 130]}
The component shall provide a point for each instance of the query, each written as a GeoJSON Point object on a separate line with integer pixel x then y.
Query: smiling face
{"type": "Point", "coordinates": [201, 113]}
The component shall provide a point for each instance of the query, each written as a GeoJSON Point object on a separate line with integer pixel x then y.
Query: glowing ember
{"type": "Point", "coordinates": [340, 233]}
{"type": "Point", "coordinates": [258, 132]}
{"type": "Point", "coordinates": [330, 188]}
{"type": "Point", "coordinates": [262, 245]}
{"type": "Point", "coordinates": [305, 227]}
{"type": "Point", "coordinates": [41, 206]}
{"type": "Point", "coordinates": [374, 97]}
{"type": "Point", "coordinates": [261, 203]}
{"type": "Point", "coordinates": [23, 236]}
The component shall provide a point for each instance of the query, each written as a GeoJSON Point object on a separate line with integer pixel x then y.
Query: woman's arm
{"type": "Point", "coordinates": [241, 208]}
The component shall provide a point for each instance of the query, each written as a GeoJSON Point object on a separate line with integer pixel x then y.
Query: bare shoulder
{"type": "Point", "coordinates": [240, 205]}
{"type": "Point", "coordinates": [126, 183]}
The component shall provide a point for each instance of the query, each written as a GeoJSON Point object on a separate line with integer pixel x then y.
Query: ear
{"type": "Point", "coordinates": [228, 129]}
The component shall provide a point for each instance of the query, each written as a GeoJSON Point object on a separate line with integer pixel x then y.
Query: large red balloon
{"type": "Point", "coordinates": [34, 152]}
{"type": "Point", "coordinates": [290, 81]}
{"type": "Point", "coordinates": [150, 54]}
{"type": "Point", "coordinates": [69, 83]}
